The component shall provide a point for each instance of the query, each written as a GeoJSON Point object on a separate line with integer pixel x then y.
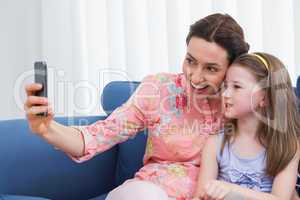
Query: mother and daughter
{"type": "Point", "coordinates": [205, 141]}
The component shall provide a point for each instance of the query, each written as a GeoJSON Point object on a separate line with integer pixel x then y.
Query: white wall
{"type": "Point", "coordinates": [20, 40]}
{"type": "Point", "coordinates": [79, 38]}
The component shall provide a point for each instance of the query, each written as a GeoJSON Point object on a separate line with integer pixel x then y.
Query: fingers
{"type": "Point", "coordinates": [34, 110]}
{"type": "Point", "coordinates": [50, 114]}
{"type": "Point", "coordinates": [34, 104]}
{"type": "Point", "coordinates": [216, 190]}
{"type": "Point", "coordinates": [212, 191]}
{"type": "Point", "coordinates": [34, 100]}
{"type": "Point", "coordinates": [219, 193]}
{"type": "Point", "coordinates": [209, 191]}
{"type": "Point", "coordinates": [201, 196]}
{"type": "Point", "coordinates": [223, 194]}
{"type": "Point", "coordinates": [32, 88]}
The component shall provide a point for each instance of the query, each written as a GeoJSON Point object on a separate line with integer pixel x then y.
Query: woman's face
{"type": "Point", "coordinates": [204, 66]}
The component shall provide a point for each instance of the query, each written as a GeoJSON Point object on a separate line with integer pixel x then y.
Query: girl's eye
{"type": "Point", "coordinates": [237, 86]}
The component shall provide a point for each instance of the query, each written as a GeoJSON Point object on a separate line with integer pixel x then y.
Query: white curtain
{"type": "Point", "coordinates": [88, 43]}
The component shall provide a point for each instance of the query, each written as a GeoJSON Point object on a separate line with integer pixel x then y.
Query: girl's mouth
{"type": "Point", "coordinates": [228, 105]}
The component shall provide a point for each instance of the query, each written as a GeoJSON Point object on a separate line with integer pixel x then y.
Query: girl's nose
{"type": "Point", "coordinates": [226, 93]}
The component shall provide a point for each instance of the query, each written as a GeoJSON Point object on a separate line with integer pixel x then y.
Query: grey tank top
{"type": "Point", "coordinates": [246, 172]}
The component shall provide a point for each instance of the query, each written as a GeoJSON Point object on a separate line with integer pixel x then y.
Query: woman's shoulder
{"type": "Point", "coordinates": [157, 84]}
{"type": "Point", "coordinates": [161, 78]}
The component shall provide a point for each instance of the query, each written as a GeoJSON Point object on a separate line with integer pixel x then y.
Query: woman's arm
{"type": "Point", "coordinates": [208, 166]}
{"type": "Point", "coordinates": [65, 138]}
{"type": "Point", "coordinates": [83, 142]}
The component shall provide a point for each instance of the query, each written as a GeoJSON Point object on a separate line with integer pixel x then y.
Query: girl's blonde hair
{"type": "Point", "coordinates": [279, 126]}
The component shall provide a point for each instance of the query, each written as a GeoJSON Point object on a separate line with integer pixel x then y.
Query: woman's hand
{"type": "Point", "coordinates": [215, 190]}
{"type": "Point", "coordinates": [34, 105]}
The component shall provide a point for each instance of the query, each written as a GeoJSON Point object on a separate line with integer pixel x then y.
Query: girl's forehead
{"type": "Point", "coordinates": [238, 73]}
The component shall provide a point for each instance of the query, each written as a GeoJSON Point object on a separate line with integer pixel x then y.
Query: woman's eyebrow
{"type": "Point", "coordinates": [208, 64]}
{"type": "Point", "coordinates": [190, 55]}
{"type": "Point", "coordinates": [214, 65]}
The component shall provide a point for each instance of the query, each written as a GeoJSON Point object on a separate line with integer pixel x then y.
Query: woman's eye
{"type": "Point", "coordinates": [212, 69]}
{"type": "Point", "coordinates": [189, 61]}
{"type": "Point", "coordinates": [237, 86]}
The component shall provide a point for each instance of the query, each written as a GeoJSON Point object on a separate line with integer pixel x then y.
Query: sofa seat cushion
{"type": "Point", "coordinates": [102, 197]}
{"type": "Point", "coordinates": [17, 197]}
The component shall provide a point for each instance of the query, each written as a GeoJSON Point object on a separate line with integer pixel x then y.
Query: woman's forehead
{"type": "Point", "coordinates": [207, 52]}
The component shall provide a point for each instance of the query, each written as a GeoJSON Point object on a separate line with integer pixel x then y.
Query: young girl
{"type": "Point", "coordinates": [256, 156]}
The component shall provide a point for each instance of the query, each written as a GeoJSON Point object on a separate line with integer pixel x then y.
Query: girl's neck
{"type": "Point", "coordinates": [247, 126]}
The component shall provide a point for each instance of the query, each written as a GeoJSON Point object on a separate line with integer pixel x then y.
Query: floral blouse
{"type": "Point", "coordinates": [177, 131]}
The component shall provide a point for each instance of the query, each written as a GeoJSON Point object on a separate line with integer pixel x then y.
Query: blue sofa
{"type": "Point", "coordinates": [31, 167]}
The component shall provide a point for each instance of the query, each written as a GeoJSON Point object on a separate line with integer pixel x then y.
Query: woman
{"type": "Point", "coordinates": [179, 110]}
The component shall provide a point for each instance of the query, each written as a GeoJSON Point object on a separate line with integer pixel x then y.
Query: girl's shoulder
{"type": "Point", "coordinates": [214, 141]}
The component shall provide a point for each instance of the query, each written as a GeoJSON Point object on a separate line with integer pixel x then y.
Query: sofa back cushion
{"type": "Point", "coordinates": [130, 152]}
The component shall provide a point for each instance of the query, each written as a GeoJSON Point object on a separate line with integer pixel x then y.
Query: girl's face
{"type": "Point", "coordinates": [204, 66]}
{"type": "Point", "coordinates": [242, 96]}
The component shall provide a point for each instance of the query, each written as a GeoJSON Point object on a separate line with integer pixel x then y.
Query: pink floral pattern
{"type": "Point", "coordinates": [176, 134]}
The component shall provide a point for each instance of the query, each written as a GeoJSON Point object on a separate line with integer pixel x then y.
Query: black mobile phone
{"type": "Point", "coordinates": [40, 76]}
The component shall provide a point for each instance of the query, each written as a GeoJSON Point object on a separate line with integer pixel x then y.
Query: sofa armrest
{"type": "Point", "coordinates": [30, 166]}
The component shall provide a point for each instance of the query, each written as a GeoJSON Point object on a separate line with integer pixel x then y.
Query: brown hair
{"type": "Point", "coordinates": [279, 132]}
{"type": "Point", "coordinates": [224, 31]}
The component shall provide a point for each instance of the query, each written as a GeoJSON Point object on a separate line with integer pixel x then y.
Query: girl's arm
{"type": "Point", "coordinates": [208, 187]}
{"type": "Point", "coordinates": [283, 185]}
{"type": "Point", "coordinates": [208, 166]}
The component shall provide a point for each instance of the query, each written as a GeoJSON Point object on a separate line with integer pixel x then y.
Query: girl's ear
{"type": "Point", "coordinates": [264, 102]}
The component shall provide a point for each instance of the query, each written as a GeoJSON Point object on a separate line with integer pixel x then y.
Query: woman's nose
{"type": "Point", "coordinates": [197, 78]}
{"type": "Point", "coordinates": [197, 81]}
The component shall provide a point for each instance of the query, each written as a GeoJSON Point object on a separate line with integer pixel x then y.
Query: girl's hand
{"type": "Point", "coordinates": [216, 190]}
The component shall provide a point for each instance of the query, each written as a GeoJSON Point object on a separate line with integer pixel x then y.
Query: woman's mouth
{"type": "Point", "coordinates": [200, 88]}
